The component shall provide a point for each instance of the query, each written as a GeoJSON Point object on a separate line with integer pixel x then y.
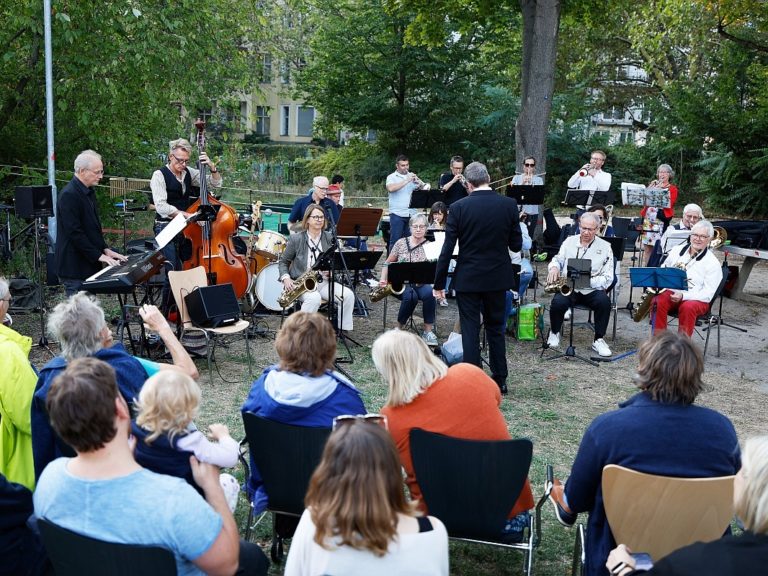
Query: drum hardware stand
{"type": "Point", "coordinates": [570, 351]}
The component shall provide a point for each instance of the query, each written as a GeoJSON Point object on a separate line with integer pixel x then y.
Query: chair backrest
{"type": "Point", "coordinates": [286, 457]}
{"type": "Point", "coordinates": [471, 485]}
{"type": "Point", "coordinates": [721, 286]}
{"type": "Point", "coordinates": [73, 554]}
{"type": "Point", "coordinates": [659, 514]}
{"type": "Point", "coordinates": [183, 282]}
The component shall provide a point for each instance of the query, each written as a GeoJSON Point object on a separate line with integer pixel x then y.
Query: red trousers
{"type": "Point", "coordinates": [687, 312]}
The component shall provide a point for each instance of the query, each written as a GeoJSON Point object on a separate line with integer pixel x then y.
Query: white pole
{"type": "Point", "coordinates": [49, 114]}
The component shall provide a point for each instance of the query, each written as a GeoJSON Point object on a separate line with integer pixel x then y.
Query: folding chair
{"type": "Point", "coordinates": [73, 554]}
{"type": "Point", "coordinates": [286, 457]}
{"type": "Point", "coordinates": [660, 514]}
{"type": "Point", "coordinates": [184, 282]}
{"type": "Point", "coordinates": [471, 485]}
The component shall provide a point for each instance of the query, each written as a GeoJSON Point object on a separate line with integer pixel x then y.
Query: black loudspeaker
{"type": "Point", "coordinates": [213, 306]}
{"type": "Point", "coordinates": [33, 201]}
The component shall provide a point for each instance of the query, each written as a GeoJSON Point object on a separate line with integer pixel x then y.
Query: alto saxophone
{"type": "Point", "coordinates": [307, 282]}
{"type": "Point", "coordinates": [383, 291]}
{"type": "Point", "coordinates": [644, 306]}
{"type": "Point", "coordinates": [560, 285]}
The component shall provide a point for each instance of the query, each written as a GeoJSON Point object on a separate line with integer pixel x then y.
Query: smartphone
{"type": "Point", "coordinates": [132, 315]}
{"type": "Point", "coordinates": [642, 560]}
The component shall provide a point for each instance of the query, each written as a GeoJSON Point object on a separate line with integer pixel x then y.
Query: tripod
{"type": "Point", "coordinates": [40, 240]}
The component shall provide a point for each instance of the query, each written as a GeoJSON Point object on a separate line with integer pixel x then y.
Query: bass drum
{"type": "Point", "coordinates": [269, 287]}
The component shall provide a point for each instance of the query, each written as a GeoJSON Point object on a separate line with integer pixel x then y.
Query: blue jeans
{"type": "Point", "coordinates": [398, 228]}
{"type": "Point", "coordinates": [410, 297]}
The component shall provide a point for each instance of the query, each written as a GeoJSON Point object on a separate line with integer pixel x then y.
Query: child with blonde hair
{"type": "Point", "coordinates": [166, 434]}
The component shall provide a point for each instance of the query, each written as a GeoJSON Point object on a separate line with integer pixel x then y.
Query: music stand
{"type": "Point", "coordinates": [656, 279]}
{"type": "Point", "coordinates": [400, 274]}
{"type": "Point", "coordinates": [526, 193]}
{"type": "Point", "coordinates": [579, 272]}
{"type": "Point", "coordinates": [358, 222]}
{"type": "Point", "coordinates": [423, 199]}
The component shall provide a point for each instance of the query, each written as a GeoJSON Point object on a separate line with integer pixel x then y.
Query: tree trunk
{"type": "Point", "coordinates": [541, 21]}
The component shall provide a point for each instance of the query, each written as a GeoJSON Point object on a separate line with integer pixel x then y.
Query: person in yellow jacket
{"type": "Point", "coordinates": [17, 385]}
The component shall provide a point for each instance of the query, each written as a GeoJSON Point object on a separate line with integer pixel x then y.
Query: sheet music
{"type": "Point", "coordinates": [675, 238]}
{"type": "Point", "coordinates": [168, 233]}
{"type": "Point", "coordinates": [433, 249]}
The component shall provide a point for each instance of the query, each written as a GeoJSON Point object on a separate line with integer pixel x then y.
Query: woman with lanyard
{"type": "Point", "coordinates": [411, 249]}
{"type": "Point", "coordinates": [656, 220]}
{"type": "Point", "coordinates": [301, 254]}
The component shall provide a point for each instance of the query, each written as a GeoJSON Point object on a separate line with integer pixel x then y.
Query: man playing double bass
{"type": "Point", "coordinates": [172, 192]}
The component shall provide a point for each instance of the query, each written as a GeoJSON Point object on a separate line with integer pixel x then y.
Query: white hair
{"type": "Point", "coordinates": [85, 160]}
{"type": "Point", "coordinates": [77, 324]}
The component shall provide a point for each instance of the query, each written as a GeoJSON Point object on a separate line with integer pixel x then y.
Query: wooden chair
{"type": "Point", "coordinates": [471, 485]}
{"type": "Point", "coordinates": [73, 554]}
{"type": "Point", "coordinates": [182, 283]}
{"type": "Point", "coordinates": [286, 457]}
{"type": "Point", "coordinates": [660, 514]}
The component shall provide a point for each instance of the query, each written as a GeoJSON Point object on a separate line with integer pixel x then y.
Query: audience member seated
{"type": "Point", "coordinates": [741, 554]}
{"type": "Point", "coordinates": [302, 389]}
{"type": "Point", "coordinates": [357, 519]}
{"type": "Point", "coordinates": [104, 494]}
{"type": "Point", "coordinates": [21, 550]}
{"type": "Point", "coordinates": [704, 275]}
{"type": "Point", "coordinates": [585, 246]}
{"type": "Point", "coordinates": [17, 385]}
{"type": "Point", "coordinates": [166, 435]}
{"type": "Point", "coordinates": [657, 431]}
{"type": "Point", "coordinates": [461, 401]}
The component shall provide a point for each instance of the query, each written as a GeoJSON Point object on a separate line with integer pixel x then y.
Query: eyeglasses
{"type": "Point", "coordinates": [418, 227]}
{"type": "Point", "coordinates": [588, 229]}
{"type": "Point", "coordinates": [101, 171]}
{"type": "Point", "coordinates": [317, 217]}
{"type": "Point", "coordinates": [596, 158]}
{"type": "Point", "coordinates": [700, 236]}
{"type": "Point", "coordinates": [530, 165]}
{"type": "Point", "coordinates": [373, 418]}
{"type": "Point", "coordinates": [321, 188]}
{"type": "Point", "coordinates": [6, 299]}
{"type": "Point", "coordinates": [180, 160]}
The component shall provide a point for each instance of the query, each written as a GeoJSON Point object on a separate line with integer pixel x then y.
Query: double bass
{"type": "Point", "coordinates": [212, 245]}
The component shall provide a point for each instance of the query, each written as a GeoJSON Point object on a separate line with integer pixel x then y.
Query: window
{"type": "Point", "coordinates": [306, 118]}
{"type": "Point", "coordinates": [285, 72]}
{"type": "Point", "coordinates": [626, 137]}
{"type": "Point", "coordinates": [266, 69]}
{"type": "Point", "coordinates": [285, 120]}
{"type": "Point", "coordinates": [262, 121]}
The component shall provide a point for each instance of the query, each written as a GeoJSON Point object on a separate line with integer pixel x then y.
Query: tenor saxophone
{"type": "Point", "coordinates": [307, 282]}
{"type": "Point", "coordinates": [384, 291]}
{"type": "Point", "coordinates": [560, 285]}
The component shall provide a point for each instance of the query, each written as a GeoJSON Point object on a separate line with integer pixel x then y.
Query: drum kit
{"type": "Point", "coordinates": [262, 250]}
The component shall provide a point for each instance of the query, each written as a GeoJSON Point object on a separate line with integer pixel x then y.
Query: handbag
{"type": "Point", "coordinates": [530, 321]}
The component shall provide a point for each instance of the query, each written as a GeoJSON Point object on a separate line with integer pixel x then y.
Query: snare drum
{"type": "Point", "coordinates": [270, 245]}
{"type": "Point", "coordinates": [269, 287]}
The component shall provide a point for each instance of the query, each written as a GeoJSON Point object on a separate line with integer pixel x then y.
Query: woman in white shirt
{"type": "Point", "coordinates": [358, 520]}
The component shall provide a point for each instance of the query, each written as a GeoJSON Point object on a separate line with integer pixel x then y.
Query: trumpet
{"type": "Point", "coordinates": [383, 291]}
{"type": "Point", "coordinates": [420, 184]}
{"type": "Point", "coordinates": [585, 170]}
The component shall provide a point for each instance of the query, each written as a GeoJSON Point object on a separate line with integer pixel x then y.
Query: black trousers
{"type": "Point", "coordinates": [491, 306]}
{"type": "Point", "coordinates": [597, 301]}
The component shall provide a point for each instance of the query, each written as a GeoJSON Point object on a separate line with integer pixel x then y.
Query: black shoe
{"type": "Point", "coordinates": [502, 384]}
{"type": "Point", "coordinates": [504, 390]}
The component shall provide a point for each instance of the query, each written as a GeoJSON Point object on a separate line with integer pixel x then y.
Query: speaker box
{"type": "Point", "coordinates": [33, 201]}
{"type": "Point", "coordinates": [213, 306]}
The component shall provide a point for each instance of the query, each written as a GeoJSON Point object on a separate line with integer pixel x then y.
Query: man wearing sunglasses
{"type": "Point", "coordinates": [80, 247]}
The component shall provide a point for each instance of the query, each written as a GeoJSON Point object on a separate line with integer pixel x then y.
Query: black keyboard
{"type": "Point", "coordinates": [122, 278]}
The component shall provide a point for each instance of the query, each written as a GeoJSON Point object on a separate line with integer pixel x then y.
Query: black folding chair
{"type": "Point", "coordinates": [73, 554]}
{"type": "Point", "coordinates": [286, 457]}
{"type": "Point", "coordinates": [471, 485]}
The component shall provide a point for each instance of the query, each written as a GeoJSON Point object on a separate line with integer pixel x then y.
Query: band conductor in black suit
{"type": "Point", "coordinates": [486, 226]}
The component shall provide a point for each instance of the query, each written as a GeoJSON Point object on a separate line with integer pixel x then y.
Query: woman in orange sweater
{"type": "Point", "coordinates": [461, 401]}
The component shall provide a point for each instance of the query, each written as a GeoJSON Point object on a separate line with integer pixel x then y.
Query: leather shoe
{"type": "Point", "coordinates": [562, 512]}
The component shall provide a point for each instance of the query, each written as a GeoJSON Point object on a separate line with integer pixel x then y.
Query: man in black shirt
{"type": "Point", "coordinates": [453, 184]}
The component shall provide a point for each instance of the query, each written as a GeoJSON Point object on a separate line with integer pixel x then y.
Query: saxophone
{"type": "Point", "coordinates": [307, 282]}
{"type": "Point", "coordinates": [560, 285]}
{"type": "Point", "coordinates": [644, 306]}
{"type": "Point", "coordinates": [383, 291]}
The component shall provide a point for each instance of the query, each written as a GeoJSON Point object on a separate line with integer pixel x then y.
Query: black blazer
{"type": "Point", "coordinates": [79, 242]}
{"type": "Point", "coordinates": [486, 226]}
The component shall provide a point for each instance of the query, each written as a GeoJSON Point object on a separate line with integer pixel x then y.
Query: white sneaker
{"type": "Point", "coordinates": [429, 338]}
{"type": "Point", "coordinates": [601, 347]}
{"type": "Point", "coordinates": [554, 340]}
{"type": "Point", "coordinates": [442, 303]}
{"type": "Point", "coordinates": [567, 315]}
